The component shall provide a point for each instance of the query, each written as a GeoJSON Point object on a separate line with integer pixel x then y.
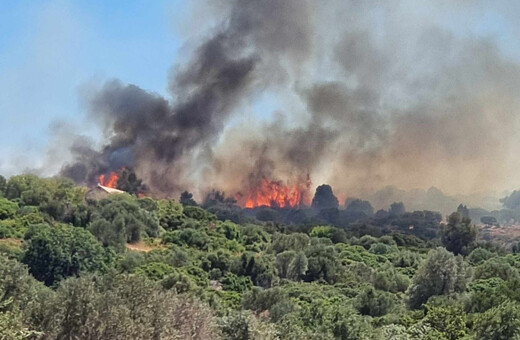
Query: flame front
{"type": "Point", "coordinates": [111, 181]}
{"type": "Point", "coordinates": [276, 194]}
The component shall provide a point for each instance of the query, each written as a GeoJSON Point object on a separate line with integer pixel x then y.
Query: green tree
{"type": "Point", "coordinates": [255, 238]}
{"type": "Point", "coordinates": [261, 269]}
{"type": "Point", "coordinates": [441, 273]}
{"type": "Point", "coordinates": [155, 270]}
{"type": "Point", "coordinates": [170, 214]}
{"type": "Point", "coordinates": [125, 307]}
{"type": "Point", "coordinates": [389, 279]}
{"type": "Point", "coordinates": [198, 213]}
{"type": "Point", "coordinates": [291, 265]}
{"type": "Point", "coordinates": [120, 219]}
{"type": "Point", "coordinates": [487, 293]}
{"type": "Point", "coordinates": [20, 293]}
{"type": "Point", "coordinates": [229, 229]}
{"type": "Point", "coordinates": [479, 255]}
{"type": "Point", "coordinates": [496, 267]}
{"type": "Point", "coordinates": [321, 231]}
{"type": "Point", "coordinates": [239, 325]}
{"type": "Point", "coordinates": [53, 254]}
{"type": "Point", "coordinates": [283, 260]}
{"type": "Point", "coordinates": [236, 283]}
{"type": "Point", "coordinates": [499, 323]}
{"type": "Point", "coordinates": [16, 185]}
{"type": "Point", "coordinates": [298, 266]}
{"type": "Point", "coordinates": [263, 299]}
{"type": "Point", "coordinates": [187, 237]}
{"type": "Point", "coordinates": [12, 326]}
{"type": "Point", "coordinates": [322, 263]}
{"type": "Point", "coordinates": [7, 208]}
{"type": "Point", "coordinates": [458, 236]}
{"type": "Point", "coordinates": [448, 320]}
{"type": "Point", "coordinates": [295, 241]}
{"type": "Point", "coordinates": [3, 185]}
{"type": "Point", "coordinates": [374, 303]}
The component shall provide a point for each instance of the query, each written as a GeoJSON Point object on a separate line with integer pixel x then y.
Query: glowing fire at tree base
{"type": "Point", "coordinates": [277, 194]}
{"type": "Point", "coordinates": [111, 181]}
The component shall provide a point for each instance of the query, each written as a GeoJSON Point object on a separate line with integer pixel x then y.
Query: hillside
{"type": "Point", "coordinates": [124, 267]}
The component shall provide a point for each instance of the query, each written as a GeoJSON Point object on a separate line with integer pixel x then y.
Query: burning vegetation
{"type": "Point", "coordinates": [349, 109]}
{"type": "Point", "coordinates": [276, 194]}
{"type": "Point", "coordinates": [123, 179]}
{"type": "Point", "coordinates": [362, 95]}
{"type": "Point", "coordinates": [109, 181]}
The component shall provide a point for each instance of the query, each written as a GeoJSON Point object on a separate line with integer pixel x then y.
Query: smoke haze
{"type": "Point", "coordinates": [367, 96]}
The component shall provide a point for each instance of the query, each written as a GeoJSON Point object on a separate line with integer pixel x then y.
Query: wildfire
{"type": "Point", "coordinates": [111, 181]}
{"type": "Point", "coordinates": [277, 194]}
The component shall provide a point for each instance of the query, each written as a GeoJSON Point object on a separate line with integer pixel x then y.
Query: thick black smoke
{"type": "Point", "coordinates": [152, 135]}
{"type": "Point", "coordinates": [369, 97]}
{"type": "Point", "coordinates": [397, 102]}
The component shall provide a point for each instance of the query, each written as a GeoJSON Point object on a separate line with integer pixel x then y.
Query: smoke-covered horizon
{"type": "Point", "coordinates": [367, 97]}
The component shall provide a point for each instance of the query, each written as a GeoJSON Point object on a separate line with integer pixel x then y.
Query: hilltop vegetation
{"type": "Point", "coordinates": [67, 272]}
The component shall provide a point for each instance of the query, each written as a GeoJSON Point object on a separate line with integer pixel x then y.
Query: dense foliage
{"type": "Point", "coordinates": [124, 267]}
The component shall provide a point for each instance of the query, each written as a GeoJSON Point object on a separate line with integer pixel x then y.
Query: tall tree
{"type": "Point", "coordinates": [441, 273]}
{"type": "Point", "coordinates": [359, 206]}
{"type": "Point", "coordinates": [55, 253]}
{"type": "Point", "coordinates": [458, 236]}
{"type": "Point", "coordinates": [397, 209]}
{"type": "Point", "coordinates": [3, 185]}
{"type": "Point", "coordinates": [187, 199]}
{"type": "Point", "coordinates": [324, 198]}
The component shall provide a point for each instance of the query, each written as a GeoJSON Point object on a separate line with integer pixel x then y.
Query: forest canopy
{"type": "Point", "coordinates": [125, 267]}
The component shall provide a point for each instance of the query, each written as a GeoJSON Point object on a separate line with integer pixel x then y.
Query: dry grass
{"type": "Point", "coordinates": [512, 231]}
{"type": "Point", "coordinates": [144, 246]}
{"type": "Point", "coordinates": [11, 242]}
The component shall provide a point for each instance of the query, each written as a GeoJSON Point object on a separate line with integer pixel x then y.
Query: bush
{"type": "Point", "coordinates": [499, 323]}
{"type": "Point", "coordinates": [236, 283]}
{"type": "Point", "coordinates": [479, 255]}
{"type": "Point", "coordinates": [382, 249]}
{"type": "Point", "coordinates": [53, 254]}
{"type": "Point", "coordinates": [321, 231]}
{"type": "Point", "coordinates": [187, 237]}
{"type": "Point", "coordinates": [170, 214]}
{"type": "Point", "coordinates": [496, 267]}
{"type": "Point", "coordinates": [449, 320]}
{"type": "Point", "coordinates": [155, 270]}
{"type": "Point", "coordinates": [120, 219]}
{"type": "Point", "coordinates": [374, 303]}
{"type": "Point", "coordinates": [7, 208]}
{"type": "Point", "coordinates": [458, 235]}
{"type": "Point", "coordinates": [441, 273]}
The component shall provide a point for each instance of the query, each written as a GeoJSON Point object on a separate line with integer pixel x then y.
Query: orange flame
{"type": "Point", "coordinates": [111, 181]}
{"type": "Point", "coordinates": [342, 198]}
{"type": "Point", "coordinates": [276, 194]}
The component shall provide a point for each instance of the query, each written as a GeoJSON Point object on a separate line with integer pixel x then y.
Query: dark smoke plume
{"type": "Point", "coordinates": [368, 97]}
{"type": "Point", "coordinates": [156, 137]}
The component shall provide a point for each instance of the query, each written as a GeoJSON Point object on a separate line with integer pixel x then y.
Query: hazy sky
{"type": "Point", "coordinates": [50, 49]}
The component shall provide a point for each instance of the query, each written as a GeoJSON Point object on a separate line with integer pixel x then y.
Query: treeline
{"type": "Point", "coordinates": [68, 271]}
{"type": "Point", "coordinates": [326, 210]}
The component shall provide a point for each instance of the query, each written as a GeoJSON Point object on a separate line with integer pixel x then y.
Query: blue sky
{"type": "Point", "coordinates": [49, 49]}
